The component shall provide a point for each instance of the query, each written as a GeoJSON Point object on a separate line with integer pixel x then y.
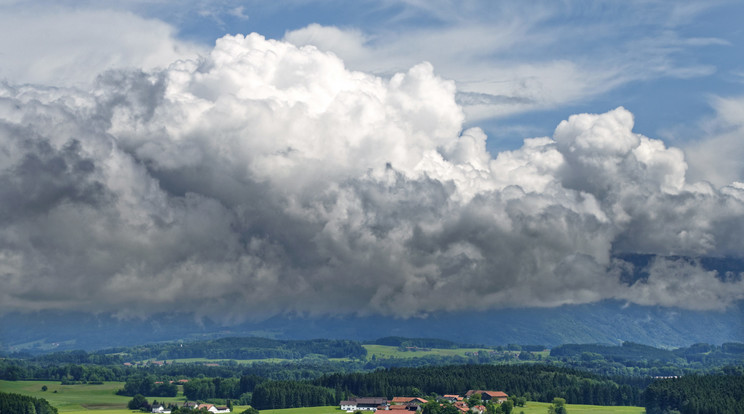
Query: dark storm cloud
{"type": "Point", "coordinates": [267, 178]}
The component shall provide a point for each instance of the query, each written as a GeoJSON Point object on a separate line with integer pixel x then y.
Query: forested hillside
{"type": "Point", "coordinates": [249, 348]}
{"type": "Point", "coordinates": [696, 394]}
{"type": "Point", "coordinates": [536, 382]}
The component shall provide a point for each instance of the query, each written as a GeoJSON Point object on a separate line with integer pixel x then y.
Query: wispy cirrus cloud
{"type": "Point", "coordinates": [548, 54]}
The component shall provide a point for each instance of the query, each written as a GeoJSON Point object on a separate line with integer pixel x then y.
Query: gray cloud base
{"type": "Point", "coordinates": [266, 179]}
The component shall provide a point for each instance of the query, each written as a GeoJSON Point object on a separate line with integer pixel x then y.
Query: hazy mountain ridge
{"type": "Point", "coordinates": [606, 322]}
{"type": "Point", "coordinates": [609, 322]}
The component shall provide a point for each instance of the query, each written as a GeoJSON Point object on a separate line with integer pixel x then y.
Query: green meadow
{"type": "Point", "coordinates": [102, 399]}
{"type": "Point", "coordinates": [385, 351]}
{"type": "Point", "coordinates": [79, 397]}
{"type": "Point", "coordinates": [542, 408]}
{"type": "Point", "coordinates": [379, 351]}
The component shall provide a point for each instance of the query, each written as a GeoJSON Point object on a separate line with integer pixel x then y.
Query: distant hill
{"type": "Point", "coordinates": [415, 342]}
{"type": "Point", "coordinates": [607, 322]}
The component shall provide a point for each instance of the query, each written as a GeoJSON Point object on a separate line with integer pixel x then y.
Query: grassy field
{"type": "Point", "coordinates": [529, 408]}
{"type": "Point", "coordinates": [101, 399]}
{"type": "Point", "coordinates": [542, 408]}
{"type": "Point", "coordinates": [380, 351]}
{"type": "Point", "coordinates": [74, 398]}
{"type": "Point", "coordinates": [384, 351]}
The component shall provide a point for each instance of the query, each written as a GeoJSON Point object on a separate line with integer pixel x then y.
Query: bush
{"type": "Point", "coordinates": [139, 401]}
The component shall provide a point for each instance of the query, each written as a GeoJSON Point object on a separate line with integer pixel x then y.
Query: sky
{"type": "Point", "coordinates": [393, 158]}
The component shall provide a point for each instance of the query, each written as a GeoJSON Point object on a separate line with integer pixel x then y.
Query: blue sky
{"type": "Point", "coordinates": [663, 60]}
{"type": "Point", "coordinates": [432, 155]}
{"type": "Point", "coordinates": [671, 57]}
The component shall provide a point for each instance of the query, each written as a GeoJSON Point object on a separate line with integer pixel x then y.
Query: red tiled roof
{"type": "Point", "coordinates": [495, 394]}
{"type": "Point", "coordinates": [492, 394]}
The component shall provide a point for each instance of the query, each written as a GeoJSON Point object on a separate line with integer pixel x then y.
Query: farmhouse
{"type": "Point", "coordinates": [495, 396]}
{"type": "Point", "coordinates": [160, 409]}
{"type": "Point", "coordinates": [408, 400]}
{"type": "Point", "coordinates": [213, 408]}
{"type": "Point", "coordinates": [364, 404]}
{"type": "Point", "coordinates": [461, 406]}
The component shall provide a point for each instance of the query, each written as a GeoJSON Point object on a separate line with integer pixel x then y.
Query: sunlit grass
{"type": "Point", "coordinates": [72, 398]}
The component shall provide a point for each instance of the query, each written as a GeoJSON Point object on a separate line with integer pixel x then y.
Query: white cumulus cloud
{"type": "Point", "coordinates": [265, 178]}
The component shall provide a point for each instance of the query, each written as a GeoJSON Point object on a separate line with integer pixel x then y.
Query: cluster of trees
{"type": "Point", "coordinates": [628, 350]}
{"type": "Point", "coordinates": [535, 382]}
{"type": "Point", "coordinates": [22, 404]}
{"type": "Point", "coordinates": [249, 348]}
{"type": "Point", "coordinates": [308, 368]}
{"type": "Point", "coordinates": [558, 406]}
{"type": "Point", "coordinates": [696, 394]}
{"type": "Point", "coordinates": [139, 402]}
{"type": "Point", "coordinates": [719, 355]}
{"type": "Point", "coordinates": [292, 394]}
{"type": "Point", "coordinates": [209, 388]}
{"type": "Point", "coordinates": [507, 407]}
{"type": "Point", "coordinates": [147, 385]}
{"type": "Point", "coordinates": [416, 342]}
{"type": "Point", "coordinates": [18, 369]}
{"type": "Point", "coordinates": [628, 360]}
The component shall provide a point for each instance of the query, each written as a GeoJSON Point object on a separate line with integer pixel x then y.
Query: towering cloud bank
{"type": "Point", "coordinates": [267, 178]}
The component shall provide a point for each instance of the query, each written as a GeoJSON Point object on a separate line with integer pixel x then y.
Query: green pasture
{"type": "Point", "coordinates": [79, 397]}
{"type": "Point", "coordinates": [227, 362]}
{"type": "Point", "coordinates": [333, 409]}
{"type": "Point", "coordinates": [529, 408]}
{"type": "Point", "coordinates": [385, 351]}
{"type": "Point", "coordinates": [533, 407]}
{"type": "Point", "coordinates": [102, 399]}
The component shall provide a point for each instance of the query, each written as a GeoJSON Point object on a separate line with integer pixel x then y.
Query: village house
{"type": "Point", "coordinates": [494, 396]}
{"type": "Point", "coordinates": [460, 405]}
{"type": "Point", "coordinates": [364, 404]}
{"type": "Point", "coordinates": [478, 409]}
{"type": "Point", "coordinates": [160, 409]}
{"type": "Point", "coordinates": [213, 408]}
{"type": "Point", "coordinates": [408, 400]}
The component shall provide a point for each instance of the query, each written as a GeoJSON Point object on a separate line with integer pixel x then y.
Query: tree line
{"type": "Point", "coordinates": [249, 348]}
{"type": "Point", "coordinates": [21, 404]}
{"type": "Point", "coordinates": [536, 382]}
{"type": "Point", "coordinates": [533, 382]}
{"type": "Point", "coordinates": [147, 385]}
{"type": "Point", "coordinates": [696, 394]}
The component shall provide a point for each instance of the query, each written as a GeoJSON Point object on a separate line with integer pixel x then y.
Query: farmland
{"type": "Point", "coordinates": [76, 397]}
{"type": "Point", "coordinates": [385, 351]}
{"type": "Point", "coordinates": [101, 399]}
